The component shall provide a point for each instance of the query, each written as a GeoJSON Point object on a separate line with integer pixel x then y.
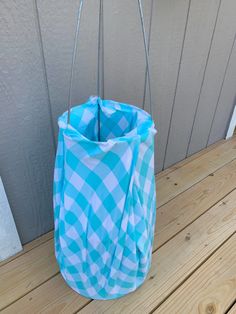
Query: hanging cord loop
{"type": "Point", "coordinates": [100, 67]}
{"type": "Point", "coordinates": [99, 48]}
{"type": "Point", "coordinates": [146, 53]}
{"type": "Point", "coordinates": [73, 59]}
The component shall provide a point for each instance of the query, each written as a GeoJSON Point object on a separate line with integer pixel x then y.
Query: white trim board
{"type": "Point", "coordinates": [9, 239]}
{"type": "Point", "coordinates": [232, 125]}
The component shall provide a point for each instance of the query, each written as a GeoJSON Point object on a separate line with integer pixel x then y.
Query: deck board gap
{"type": "Point", "coordinates": [187, 225]}
{"type": "Point", "coordinates": [190, 186]}
{"type": "Point", "coordinates": [191, 273]}
{"type": "Point", "coordinates": [34, 288]}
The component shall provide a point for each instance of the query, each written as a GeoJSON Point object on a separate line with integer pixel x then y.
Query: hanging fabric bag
{"type": "Point", "coordinates": [104, 195]}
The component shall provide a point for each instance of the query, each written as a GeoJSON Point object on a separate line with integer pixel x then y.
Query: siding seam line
{"type": "Point", "coordinates": [221, 88]}
{"type": "Point", "coordinates": [149, 43]}
{"type": "Point", "coordinates": [203, 79]}
{"type": "Point", "coordinates": [176, 85]}
{"type": "Point", "coordinates": [45, 73]}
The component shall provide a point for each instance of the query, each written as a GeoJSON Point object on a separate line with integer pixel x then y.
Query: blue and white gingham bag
{"type": "Point", "coordinates": [104, 198]}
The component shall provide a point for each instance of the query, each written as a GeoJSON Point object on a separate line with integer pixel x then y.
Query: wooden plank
{"type": "Point", "coordinates": [211, 289]}
{"type": "Point", "coordinates": [181, 179]}
{"type": "Point", "coordinates": [29, 246]}
{"type": "Point", "coordinates": [171, 219]}
{"type": "Point", "coordinates": [28, 271]}
{"type": "Point", "coordinates": [27, 152]}
{"type": "Point", "coordinates": [189, 159]}
{"type": "Point", "coordinates": [165, 52]}
{"type": "Point", "coordinates": [176, 260]}
{"type": "Point", "coordinates": [178, 213]}
{"type": "Point", "coordinates": [226, 101]}
{"type": "Point", "coordinates": [200, 28]}
{"type": "Point", "coordinates": [232, 309]}
{"type": "Point", "coordinates": [186, 207]}
{"type": "Point", "coordinates": [214, 76]}
{"type": "Point", "coordinates": [55, 299]}
{"type": "Point", "coordinates": [52, 297]}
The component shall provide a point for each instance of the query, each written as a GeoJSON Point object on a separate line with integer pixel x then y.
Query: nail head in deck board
{"type": "Point", "coordinates": [176, 260]}
{"type": "Point", "coordinates": [213, 285]}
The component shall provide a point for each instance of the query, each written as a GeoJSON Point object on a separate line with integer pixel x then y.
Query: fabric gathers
{"type": "Point", "coordinates": [104, 198]}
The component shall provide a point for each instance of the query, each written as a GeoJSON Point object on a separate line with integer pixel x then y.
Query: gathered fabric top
{"type": "Point", "coordinates": [106, 121]}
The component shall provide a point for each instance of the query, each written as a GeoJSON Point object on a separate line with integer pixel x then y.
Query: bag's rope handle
{"type": "Point", "coordinates": [100, 85]}
{"type": "Point", "coordinates": [76, 46]}
{"type": "Point", "coordinates": [146, 53]}
{"type": "Point", "coordinates": [73, 58]}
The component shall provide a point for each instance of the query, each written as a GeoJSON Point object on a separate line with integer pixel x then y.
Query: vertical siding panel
{"type": "Point", "coordinates": [34, 57]}
{"type": "Point", "coordinates": [26, 159]}
{"type": "Point", "coordinates": [58, 25]}
{"type": "Point", "coordinates": [200, 26]}
{"type": "Point", "coordinates": [168, 26]}
{"type": "Point", "coordinates": [226, 103]}
{"type": "Point", "coordinates": [124, 50]}
{"type": "Point", "coordinates": [38, 26]}
{"type": "Point", "coordinates": [215, 72]}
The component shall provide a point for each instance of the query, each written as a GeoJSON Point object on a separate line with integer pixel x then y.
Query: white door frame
{"type": "Point", "coordinates": [9, 239]}
{"type": "Point", "coordinates": [232, 125]}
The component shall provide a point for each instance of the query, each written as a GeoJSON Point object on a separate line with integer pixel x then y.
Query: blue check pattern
{"type": "Point", "coordinates": [104, 198]}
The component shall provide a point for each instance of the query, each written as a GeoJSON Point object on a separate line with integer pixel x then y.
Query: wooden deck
{"type": "Point", "coordinates": [194, 254]}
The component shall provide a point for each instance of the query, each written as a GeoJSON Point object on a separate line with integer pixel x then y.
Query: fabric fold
{"type": "Point", "coordinates": [104, 198]}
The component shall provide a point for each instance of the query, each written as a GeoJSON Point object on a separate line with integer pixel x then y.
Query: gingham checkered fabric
{"type": "Point", "coordinates": [104, 198]}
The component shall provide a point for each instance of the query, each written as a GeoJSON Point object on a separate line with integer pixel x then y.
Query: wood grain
{"type": "Point", "coordinates": [23, 274]}
{"type": "Point", "coordinates": [189, 159]}
{"type": "Point", "coordinates": [177, 260]}
{"type": "Point", "coordinates": [232, 309]}
{"type": "Point", "coordinates": [30, 246]}
{"type": "Point", "coordinates": [52, 297]}
{"type": "Point", "coordinates": [188, 206]}
{"type": "Point", "coordinates": [189, 174]}
{"type": "Point", "coordinates": [211, 289]}
{"type": "Point", "coordinates": [178, 213]}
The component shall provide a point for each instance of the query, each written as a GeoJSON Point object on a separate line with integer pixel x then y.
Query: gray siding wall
{"type": "Point", "coordinates": [193, 63]}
